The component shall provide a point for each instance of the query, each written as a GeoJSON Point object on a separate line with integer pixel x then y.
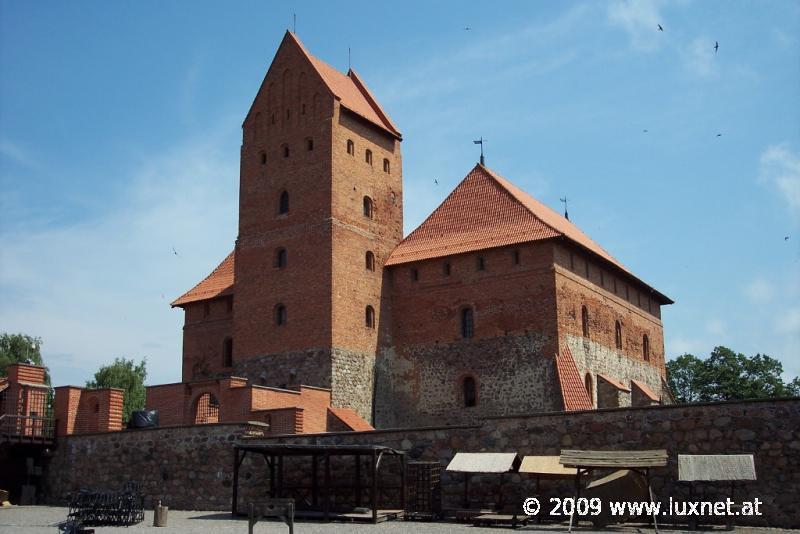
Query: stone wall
{"type": "Point", "coordinates": [190, 467]}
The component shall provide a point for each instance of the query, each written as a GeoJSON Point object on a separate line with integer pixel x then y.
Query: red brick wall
{"type": "Point", "coordinates": [21, 372]}
{"type": "Point", "coordinates": [206, 325]}
{"type": "Point", "coordinates": [605, 307]}
{"type": "Point", "coordinates": [169, 400]}
{"type": "Point", "coordinates": [81, 411]}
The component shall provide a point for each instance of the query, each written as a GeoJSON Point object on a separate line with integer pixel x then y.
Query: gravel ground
{"type": "Point", "coordinates": [44, 520]}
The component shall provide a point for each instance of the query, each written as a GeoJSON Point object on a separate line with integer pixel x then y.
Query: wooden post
{"type": "Point", "coordinates": [652, 499]}
{"type": "Point", "coordinates": [500, 493]}
{"type": "Point", "coordinates": [466, 491]}
{"type": "Point", "coordinates": [374, 492]}
{"type": "Point", "coordinates": [235, 499]}
{"type": "Point", "coordinates": [272, 488]}
{"type": "Point", "coordinates": [403, 482]}
{"type": "Point", "coordinates": [314, 481]}
{"type": "Point", "coordinates": [280, 476]}
{"type": "Point", "coordinates": [327, 503]}
{"type": "Point", "coordinates": [577, 493]}
{"type": "Point", "coordinates": [358, 479]}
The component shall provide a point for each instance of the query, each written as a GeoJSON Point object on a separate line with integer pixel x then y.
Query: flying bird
{"type": "Point", "coordinates": [467, 28]}
{"type": "Point", "coordinates": [716, 46]}
{"type": "Point", "coordinates": [660, 28]}
{"type": "Point", "coordinates": [644, 131]}
{"type": "Point", "coordinates": [435, 181]}
{"type": "Point", "coordinates": [786, 238]}
{"type": "Point", "coordinates": [719, 135]}
{"type": "Point", "coordinates": [174, 251]}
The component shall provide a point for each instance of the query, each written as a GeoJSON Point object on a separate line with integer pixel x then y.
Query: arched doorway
{"type": "Point", "coordinates": [206, 409]}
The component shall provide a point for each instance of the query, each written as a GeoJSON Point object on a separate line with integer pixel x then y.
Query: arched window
{"type": "Point", "coordinates": [368, 156]}
{"type": "Point", "coordinates": [368, 208]}
{"type": "Point", "coordinates": [587, 381]}
{"type": "Point", "coordinates": [263, 157]}
{"type": "Point", "coordinates": [285, 150]}
{"type": "Point", "coordinates": [618, 334]}
{"type": "Point", "coordinates": [369, 261]}
{"type": "Point", "coordinates": [351, 147]}
{"type": "Point", "coordinates": [309, 144]}
{"type": "Point", "coordinates": [386, 165]}
{"type": "Point", "coordinates": [280, 258]}
{"type": "Point", "coordinates": [206, 409]}
{"type": "Point", "coordinates": [470, 392]}
{"type": "Point", "coordinates": [467, 323]}
{"type": "Point", "coordinates": [646, 348]}
{"type": "Point", "coordinates": [283, 203]}
{"type": "Point", "coordinates": [280, 315]}
{"type": "Point", "coordinates": [369, 317]}
{"type": "Point", "coordinates": [227, 352]}
{"type": "Point", "coordinates": [585, 321]}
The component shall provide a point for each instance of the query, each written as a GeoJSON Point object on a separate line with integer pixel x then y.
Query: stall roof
{"type": "Point", "coordinates": [311, 450]}
{"type": "Point", "coordinates": [545, 465]}
{"type": "Point", "coordinates": [484, 462]}
{"type": "Point", "coordinates": [715, 467]}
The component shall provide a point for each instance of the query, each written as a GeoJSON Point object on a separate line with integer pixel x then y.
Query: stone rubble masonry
{"type": "Point", "coordinates": [82, 411]}
{"type": "Point", "coordinates": [191, 467]}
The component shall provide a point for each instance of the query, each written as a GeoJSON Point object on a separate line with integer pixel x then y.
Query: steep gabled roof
{"type": "Point", "coordinates": [486, 211]}
{"type": "Point", "coordinates": [349, 89]}
{"type": "Point", "coordinates": [217, 284]}
{"type": "Point", "coordinates": [573, 391]}
{"type": "Point", "coordinates": [350, 418]}
{"type": "Point", "coordinates": [649, 393]}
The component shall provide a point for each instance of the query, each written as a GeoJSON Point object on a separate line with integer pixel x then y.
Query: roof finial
{"type": "Point", "coordinates": [348, 59]}
{"type": "Point", "coordinates": [294, 23]}
{"type": "Point", "coordinates": [566, 213]}
{"type": "Point", "coordinates": [480, 142]}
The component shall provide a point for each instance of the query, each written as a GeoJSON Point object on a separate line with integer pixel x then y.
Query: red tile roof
{"type": "Point", "coordinates": [486, 211]}
{"type": "Point", "coordinates": [350, 418]}
{"type": "Point", "coordinates": [217, 284]}
{"type": "Point", "coordinates": [614, 382]}
{"type": "Point", "coordinates": [351, 91]}
{"type": "Point", "coordinates": [573, 390]}
{"type": "Point", "coordinates": [649, 393]}
{"type": "Point", "coordinates": [3, 384]}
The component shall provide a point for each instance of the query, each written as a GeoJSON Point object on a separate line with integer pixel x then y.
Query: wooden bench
{"type": "Point", "coordinates": [694, 469]}
{"type": "Point", "coordinates": [283, 509]}
{"type": "Point", "coordinates": [586, 461]}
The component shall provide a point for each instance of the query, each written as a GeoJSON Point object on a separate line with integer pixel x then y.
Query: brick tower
{"type": "Point", "coordinates": [320, 210]}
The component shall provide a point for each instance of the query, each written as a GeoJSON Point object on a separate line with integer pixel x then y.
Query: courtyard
{"type": "Point", "coordinates": [45, 519]}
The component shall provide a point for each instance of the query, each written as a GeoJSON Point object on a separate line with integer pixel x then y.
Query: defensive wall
{"type": "Point", "coordinates": [190, 467]}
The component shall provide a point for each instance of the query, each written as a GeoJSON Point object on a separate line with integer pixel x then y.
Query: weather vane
{"type": "Point", "coordinates": [480, 142]}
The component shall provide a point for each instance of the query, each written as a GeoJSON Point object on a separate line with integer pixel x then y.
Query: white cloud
{"type": "Point", "coordinates": [789, 322]}
{"type": "Point", "coordinates": [18, 155]}
{"type": "Point", "coordinates": [780, 166]}
{"type": "Point", "coordinates": [759, 291]}
{"type": "Point", "coordinates": [716, 327]}
{"type": "Point", "coordinates": [640, 19]}
{"type": "Point", "coordinates": [101, 288]}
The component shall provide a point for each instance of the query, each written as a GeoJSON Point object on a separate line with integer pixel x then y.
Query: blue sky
{"type": "Point", "coordinates": [120, 132]}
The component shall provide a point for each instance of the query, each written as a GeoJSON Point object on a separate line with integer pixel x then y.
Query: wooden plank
{"type": "Point", "coordinates": [613, 459]}
{"type": "Point", "coordinates": [545, 466]}
{"type": "Point", "coordinates": [716, 467]}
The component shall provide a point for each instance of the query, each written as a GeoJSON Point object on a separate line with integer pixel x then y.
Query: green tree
{"type": "Point", "coordinates": [19, 348]}
{"type": "Point", "coordinates": [728, 375]}
{"type": "Point", "coordinates": [124, 374]}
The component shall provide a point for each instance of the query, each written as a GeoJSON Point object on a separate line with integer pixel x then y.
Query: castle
{"type": "Point", "coordinates": [494, 305]}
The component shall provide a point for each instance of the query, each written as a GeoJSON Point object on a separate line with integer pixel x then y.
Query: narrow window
{"type": "Point", "coordinates": [585, 321]}
{"type": "Point", "coordinates": [280, 315]}
{"type": "Point", "coordinates": [263, 156]}
{"type": "Point", "coordinates": [285, 151]}
{"type": "Point", "coordinates": [280, 258]}
{"type": "Point", "coordinates": [368, 208]}
{"type": "Point", "coordinates": [386, 165]}
{"type": "Point", "coordinates": [470, 393]}
{"type": "Point", "coordinates": [351, 147]}
{"type": "Point", "coordinates": [288, 114]}
{"type": "Point", "coordinates": [587, 381]}
{"type": "Point", "coordinates": [369, 317]}
{"type": "Point", "coordinates": [283, 203]}
{"type": "Point", "coordinates": [229, 304]}
{"type": "Point", "coordinates": [467, 323]}
{"type": "Point", "coordinates": [447, 268]}
{"type": "Point", "coordinates": [618, 334]}
{"type": "Point", "coordinates": [516, 257]}
{"type": "Point", "coordinates": [369, 261]}
{"type": "Point", "coordinates": [303, 109]}
{"type": "Point", "coordinates": [481, 264]}
{"type": "Point", "coordinates": [646, 348]}
{"type": "Point", "coordinates": [206, 309]}
{"type": "Point", "coordinates": [227, 352]}
{"type": "Point", "coordinates": [309, 144]}
{"type": "Point", "coordinates": [414, 275]}
{"type": "Point", "coordinates": [272, 118]}
{"type": "Point", "coordinates": [368, 156]}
